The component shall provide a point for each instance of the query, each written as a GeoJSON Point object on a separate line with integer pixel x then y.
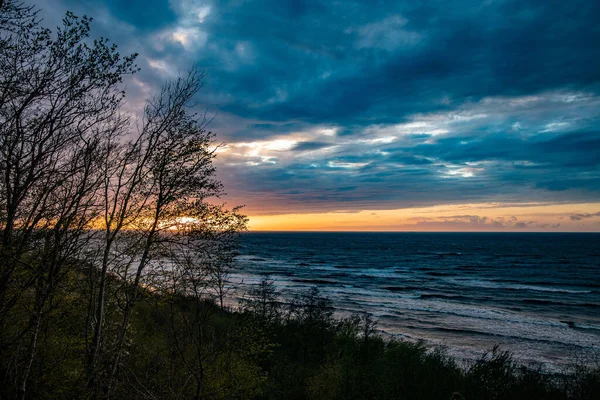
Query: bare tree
{"type": "Point", "coordinates": [200, 252]}
{"type": "Point", "coordinates": [80, 192]}
{"type": "Point", "coordinates": [155, 189]}
{"type": "Point", "coordinates": [262, 300]}
{"type": "Point", "coordinates": [59, 98]}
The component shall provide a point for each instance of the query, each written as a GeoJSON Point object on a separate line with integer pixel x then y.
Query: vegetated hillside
{"type": "Point", "coordinates": [188, 347]}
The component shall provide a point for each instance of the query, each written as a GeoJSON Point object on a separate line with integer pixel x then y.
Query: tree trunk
{"type": "Point", "coordinates": [41, 302]}
{"type": "Point", "coordinates": [93, 356]}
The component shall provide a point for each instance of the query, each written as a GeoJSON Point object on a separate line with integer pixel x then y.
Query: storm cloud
{"type": "Point", "coordinates": [354, 105]}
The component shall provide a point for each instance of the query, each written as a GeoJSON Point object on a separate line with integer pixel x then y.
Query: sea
{"type": "Point", "coordinates": [536, 295]}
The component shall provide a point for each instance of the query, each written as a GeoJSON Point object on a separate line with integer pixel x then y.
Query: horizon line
{"type": "Point", "coordinates": [375, 231]}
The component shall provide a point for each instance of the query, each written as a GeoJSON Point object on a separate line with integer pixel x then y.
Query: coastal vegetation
{"type": "Point", "coordinates": [114, 256]}
{"type": "Point", "coordinates": [186, 346]}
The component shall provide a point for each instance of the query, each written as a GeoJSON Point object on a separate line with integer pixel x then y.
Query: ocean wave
{"type": "Point", "coordinates": [470, 267]}
{"type": "Point", "coordinates": [246, 257]}
{"type": "Point", "coordinates": [515, 290]}
{"type": "Point", "coordinates": [480, 283]}
{"type": "Point", "coordinates": [314, 281]}
{"type": "Point", "coordinates": [438, 273]}
{"type": "Point", "coordinates": [508, 335]}
{"type": "Point", "coordinates": [447, 297]}
{"type": "Point", "coordinates": [586, 326]}
{"type": "Point", "coordinates": [546, 283]}
{"type": "Point", "coordinates": [543, 302]}
{"type": "Point", "coordinates": [549, 289]}
{"type": "Point", "coordinates": [401, 288]}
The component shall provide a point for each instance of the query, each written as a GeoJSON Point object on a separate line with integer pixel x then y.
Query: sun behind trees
{"type": "Point", "coordinates": [89, 203]}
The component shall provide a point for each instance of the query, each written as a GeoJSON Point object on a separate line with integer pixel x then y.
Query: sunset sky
{"type": "Point", "coordinates": [374, 115]}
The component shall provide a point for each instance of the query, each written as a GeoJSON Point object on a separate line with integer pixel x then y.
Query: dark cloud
{"type": "Point", "coordinates": [407, 103]}
{"type": "Point", "coordinates": [464, 50]}
{"type": "Point", "coordinates": [308, 146]}
{"type": "Point", "coordinates": [579, 217]}
{"type": "Point", "coordinates": [144, 16]}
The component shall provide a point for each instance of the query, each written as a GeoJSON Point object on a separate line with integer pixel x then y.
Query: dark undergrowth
{"type": "Point", "coordinates": [183, 347]}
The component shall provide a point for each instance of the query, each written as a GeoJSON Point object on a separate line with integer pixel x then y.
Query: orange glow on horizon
{"type": "Point", "coordinates": [583, 217]}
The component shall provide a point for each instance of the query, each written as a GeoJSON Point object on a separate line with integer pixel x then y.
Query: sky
{"type": "Point", "coordinates": [383, 115]}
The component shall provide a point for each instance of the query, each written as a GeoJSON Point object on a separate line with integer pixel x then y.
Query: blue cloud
{"type": "Point", "coordinates": [406, 103]}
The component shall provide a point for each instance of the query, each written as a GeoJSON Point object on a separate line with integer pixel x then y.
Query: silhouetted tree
{"type": "Point", "coordinates": [155, 191]}
{"type": "Point", "coordinates": [262, 300]}
{"type": "Point", "coordinates": [59, 97]}
{"type": "Point", "coordinates": [311, 308]}
{"type": "Point", "coordinates": [68, 168]}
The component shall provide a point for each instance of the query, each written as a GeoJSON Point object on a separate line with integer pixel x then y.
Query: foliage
{"type": "Point", "coordinates": [88, 205]}
{"type": "Point", "coordinates": [243, 355]}
{"type": "Point", "coordinates": [112, 257]}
